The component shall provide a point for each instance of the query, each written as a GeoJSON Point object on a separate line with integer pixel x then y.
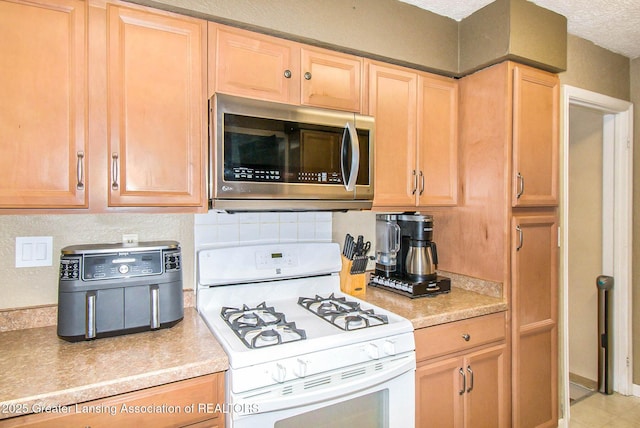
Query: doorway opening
{"type": "Point", "coordinates": [596, 223]}
{"type": "Point", "coordinates": [585, 229]}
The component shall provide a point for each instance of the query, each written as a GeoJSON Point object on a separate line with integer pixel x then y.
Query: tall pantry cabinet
{"type": "Point", "coordinates": [507, 219]}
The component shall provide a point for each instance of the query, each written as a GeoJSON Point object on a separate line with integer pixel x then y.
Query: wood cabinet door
{"type": "Point", "coordinates": [43, 107]}
{"type": "Point", "coordinates": [488, 389]}
{"type": "Point", "coordinates": [535, 137]}
{"type": "Point", "coordinates": [440, 390]}
{"type": "Point", "coordinates": [257, 66]}
{"type": "Point", "coordinates": [534, 297]}
{"type": "Point", "coordinates": [437, 141]}
{"type": "Point", "coordinates": [157, 108]}
{"type": "Point", "coordinates": [193, 402]}
{"type": "Point", "coordinates": [392, 101]}
{"type": "Point", "coordinates": [331, 80]}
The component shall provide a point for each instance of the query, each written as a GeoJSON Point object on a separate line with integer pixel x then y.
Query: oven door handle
{"type": "Point", "coordinates": [350, 181]}
{"type": "Point", "coordinates": [249, 403]}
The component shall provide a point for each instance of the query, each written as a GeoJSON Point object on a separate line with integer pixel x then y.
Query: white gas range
{"type": "Point", "coordinates": [299, 349]}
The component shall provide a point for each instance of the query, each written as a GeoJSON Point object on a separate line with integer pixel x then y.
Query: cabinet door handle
{"type": "Point", "coordinates": [415, 182]}
{"type": "Point", "coordinates": [464, 381]}
{"type": "Point", "coordinates": [307, 76]}
{"type": "Point", "coordinates": [471, 379]}
{"type": "Point", "coordinates": [114, 171]}
{"type": "Point", "coordinates": [80, 171]}
{"type": "Point", "coordinates": [287, 74]}
{"type": "Point", "coordinates": [520, 238]}
{"type": "Point", "coordinates": [421, 183]}
{"type": "Point", "coordinates": [520, 186]}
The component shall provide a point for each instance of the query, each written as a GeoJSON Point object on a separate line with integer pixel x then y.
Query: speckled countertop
{"type": "Point", "coordinates": [37, 368]}
{"type": "Point", "coordinates": [469, 297]}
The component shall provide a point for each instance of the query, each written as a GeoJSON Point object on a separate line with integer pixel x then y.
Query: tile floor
{"type": "Point", "coordinates": [606, 411]}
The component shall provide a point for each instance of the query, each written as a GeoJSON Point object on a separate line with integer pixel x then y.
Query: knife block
{"type": "Point", "coordinates": [353, 284]}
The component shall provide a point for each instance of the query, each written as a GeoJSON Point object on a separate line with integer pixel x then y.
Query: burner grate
{"type": "Point", "coordinates": [261, 326]}
{"type": "Point", "coordinates": [342, 313]}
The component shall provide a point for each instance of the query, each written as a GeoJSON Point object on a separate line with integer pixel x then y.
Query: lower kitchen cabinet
{"type": "Point", "coordinates": [193, 403]}
{"type": "Point", "coordinates": [468, 386]}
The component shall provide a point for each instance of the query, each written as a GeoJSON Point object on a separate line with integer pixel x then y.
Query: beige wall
{"type": "Point", "coordinates": [635, 99]}
{"type": "Point", "coordinates": [596, 69]}
{"type": "Point", "coordinates": [23, 287]}
{"type": "Point", "coordinates": [585, 238]}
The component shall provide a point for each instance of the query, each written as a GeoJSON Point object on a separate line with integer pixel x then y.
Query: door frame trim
{"type": "Point", "coordinates": [618, 129]}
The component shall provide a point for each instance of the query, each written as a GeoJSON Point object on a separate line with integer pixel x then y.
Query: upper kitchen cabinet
{"type": "Point", "coordinates": [43, 107]}
{"type": "Point", "coordinates": [437, 141]}
{"type": "Point", "coordinates": [264, 67]}
{"type": "Point", "coordinates": [535, 137]}
{"type": "Point", "coordinates": [416, 137]}
{"type": "Point", "coordinates": [156, 96]}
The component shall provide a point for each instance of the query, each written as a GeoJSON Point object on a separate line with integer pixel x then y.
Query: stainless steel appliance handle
{"type": "Point", "coordinates": [464, 381]}
{"type": "Point", "coordinates": [520, 186]}
{"type": "Point", "coordinates": [471, 379]}
{"type": "Point", "coordinates": [90, 315]}
{"type": "Point", "coordinates": [114, 171]}
{"type": "Point", "coordinates": [520, 238]}
{"type": "Point", "coordinates": [80, 171]}
{"type": "Point", "coordinates": [350, 184]}
{"type": "Point", "coordinates": [155, 306]}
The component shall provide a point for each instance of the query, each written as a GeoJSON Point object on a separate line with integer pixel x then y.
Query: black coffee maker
{"type": "Point", "coordinates": [418, 259]}
{"type": "Point", "coordinates": [413, 271]}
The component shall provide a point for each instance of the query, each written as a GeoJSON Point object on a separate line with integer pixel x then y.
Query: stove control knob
{"type": "Point", "coordinates": [373, 351]}
{"type": "Point", "coordinates": [280, 373]}
{"type": "Point", "coordinates": [301, 370]}
{"type": "Point", "coordinates": [389, 347]}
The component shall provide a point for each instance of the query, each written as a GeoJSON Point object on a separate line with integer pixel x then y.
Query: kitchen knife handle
{"type": "Point", "coordinates": [155, 306]}
{"type": "Point", "coordinates": [90, 315]}
{"type": "Point", "coordinates": [114, 171]}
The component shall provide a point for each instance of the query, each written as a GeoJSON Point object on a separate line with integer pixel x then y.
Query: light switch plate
{"type": "Point", "coordinates": [33, 251]}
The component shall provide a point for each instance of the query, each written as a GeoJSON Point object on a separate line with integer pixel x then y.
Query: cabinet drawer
{"type": "Point", "coordinates": [459, 335]}
{"type": "Point", "coordinates": [161, 406]}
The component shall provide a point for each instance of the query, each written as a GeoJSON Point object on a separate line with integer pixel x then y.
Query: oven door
{"type": "Point", "coordinates": [273, 152]}
{"type": "Point", "coordinates": [378, 394]}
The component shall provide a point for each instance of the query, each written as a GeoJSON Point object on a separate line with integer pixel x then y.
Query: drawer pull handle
{"type": "Point", "coordinates": [466, 337]}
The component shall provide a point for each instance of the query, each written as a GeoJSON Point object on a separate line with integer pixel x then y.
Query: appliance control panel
{"type": "Point", "coordinates": [270, 260]}
{"type": "Point", "coordinates": [121, 263]}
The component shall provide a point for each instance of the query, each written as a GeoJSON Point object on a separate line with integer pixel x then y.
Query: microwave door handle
{"type": "Point", "coordinates": [350, 183]}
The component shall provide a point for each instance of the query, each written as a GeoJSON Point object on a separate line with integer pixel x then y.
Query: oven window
{"type": "Point", "coordinates": [368, 411]}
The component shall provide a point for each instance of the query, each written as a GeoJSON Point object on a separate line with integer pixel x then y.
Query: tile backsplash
{"type": "Point", "coordinates": [215, 228]}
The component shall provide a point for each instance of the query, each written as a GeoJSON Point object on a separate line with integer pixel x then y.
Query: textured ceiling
{"type": "Point", "coordinates": [611, 24]}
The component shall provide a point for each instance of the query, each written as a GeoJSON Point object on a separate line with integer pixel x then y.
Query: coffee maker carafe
{"type": "Point", "coordinates": [419, 255]}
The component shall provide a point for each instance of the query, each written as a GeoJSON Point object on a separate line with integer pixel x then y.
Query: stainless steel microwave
{"type": "Point", "coordinates": [267, 156]}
